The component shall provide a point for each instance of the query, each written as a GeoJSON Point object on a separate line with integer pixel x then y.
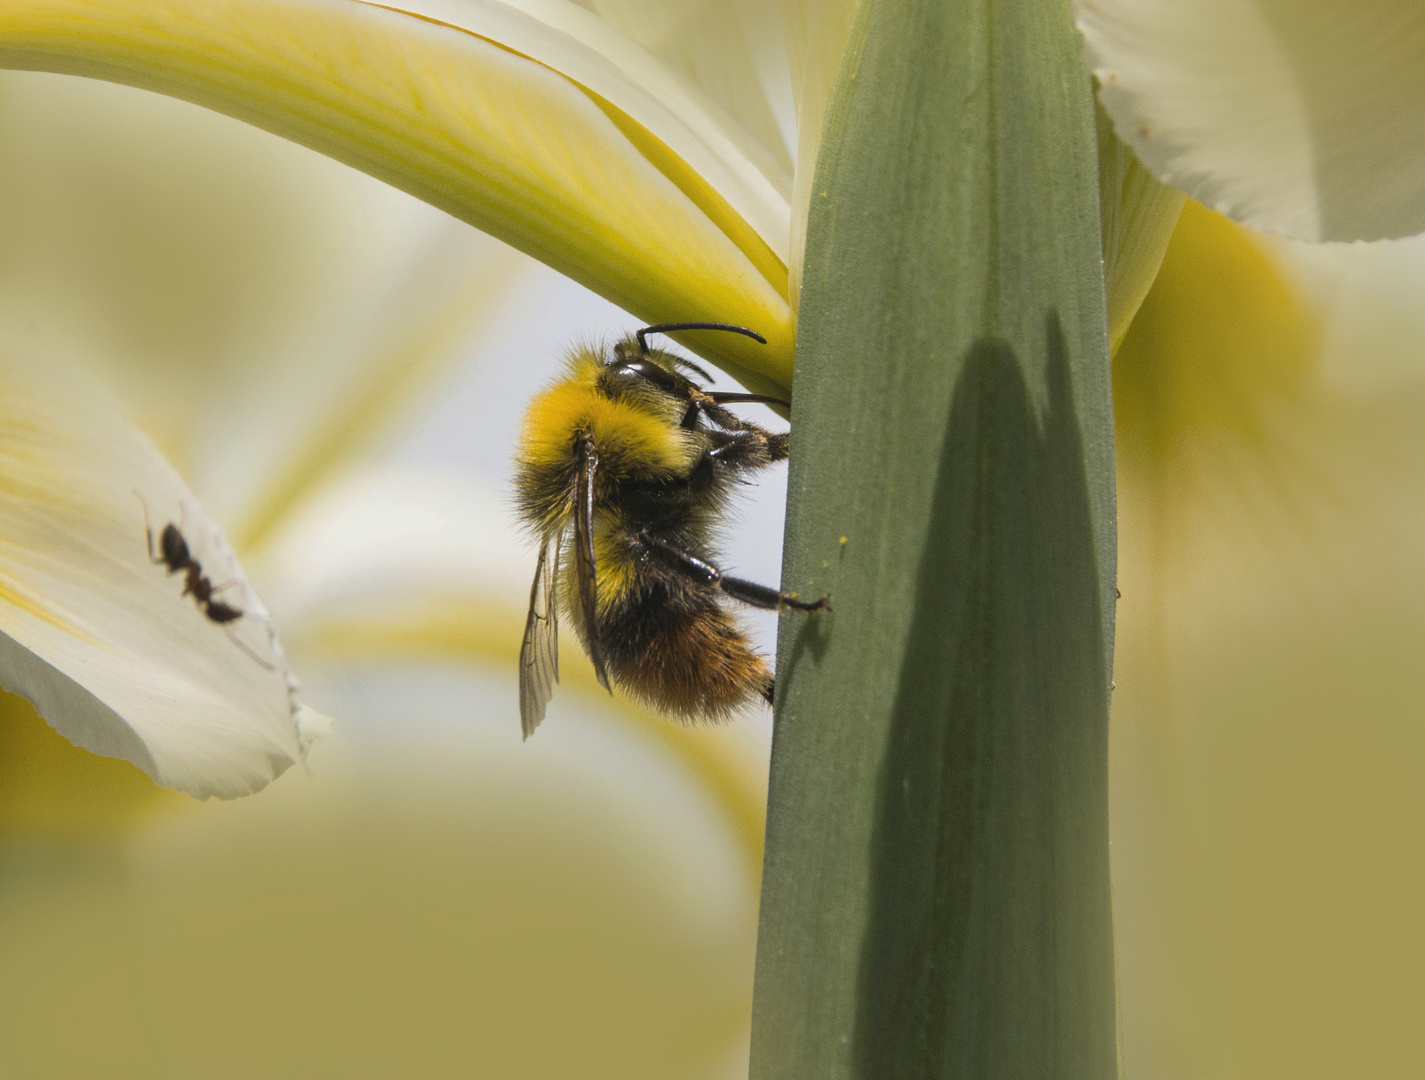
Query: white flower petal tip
{"type": "Point", "coordinates": [120, 646]}
{"type": "Point", "coordinates": [311, 726]}
{"type": "Point", "coordinates": [1299, 117]}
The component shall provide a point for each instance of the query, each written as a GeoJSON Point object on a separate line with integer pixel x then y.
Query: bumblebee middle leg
{"type": "Point", "coordinates": [705, 573]}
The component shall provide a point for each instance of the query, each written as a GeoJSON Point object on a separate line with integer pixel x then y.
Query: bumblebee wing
{"type": "Point", "coordinates": [586, 568]}
{"type": "Point", "coordinates": [539, 655]}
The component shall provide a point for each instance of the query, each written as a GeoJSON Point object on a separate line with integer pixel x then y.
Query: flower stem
{"type": "Point", "coordinates": [936, 888]}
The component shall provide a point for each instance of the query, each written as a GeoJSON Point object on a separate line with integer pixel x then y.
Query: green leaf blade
{"type": "Point", "coordinates": [936, 897]}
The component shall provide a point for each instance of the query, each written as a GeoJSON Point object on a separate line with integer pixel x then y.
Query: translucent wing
{"type": "Point", "coordinates": [539, 655]}
{"type": "Point", "coordinates": [585, 566]}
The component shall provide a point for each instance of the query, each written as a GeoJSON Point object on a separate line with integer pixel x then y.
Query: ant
{"type": "Point", "coordinates": [174, 554]}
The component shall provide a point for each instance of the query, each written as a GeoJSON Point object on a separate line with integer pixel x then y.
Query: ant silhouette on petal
{"type": "Point", "coordinates": [173, 554]}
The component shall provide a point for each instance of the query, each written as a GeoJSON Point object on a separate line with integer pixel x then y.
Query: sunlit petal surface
{"type": "Point", "coordinates": [641, 58]}
{"type": "Point", "coordinates": [1137, 214]}
{"type": "Point", "coordinates": [1267, 757]}
{"type": "Point", "coordinates": [1301, 117]}
{"type": "Point", "coordinates": [95, 634]}
{"type": "Point", "coordinates": [539, 157]}
{"type": "Point", "coordinates": [816, 32]}
{"type": "Point", "coordinates": [733, 51]}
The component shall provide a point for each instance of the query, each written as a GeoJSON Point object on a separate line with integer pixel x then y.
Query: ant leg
{"type": "Point", "coordinates": [705, 573]}
{"type": "Point", "coordinates": [153, 556]}
{"type": "Point", "coordinates": [247, 649]}
{"type": "Point", "coordinates": [183, 528]}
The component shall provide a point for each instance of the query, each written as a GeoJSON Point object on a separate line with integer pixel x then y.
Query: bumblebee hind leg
{"type": "Point", "coordinates": [763, 596]}
{"type": "Point", "coordinates": [705, 573]}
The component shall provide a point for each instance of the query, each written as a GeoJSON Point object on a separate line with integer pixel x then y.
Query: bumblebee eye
{"type": "Point", "coordinates": [658, 376]}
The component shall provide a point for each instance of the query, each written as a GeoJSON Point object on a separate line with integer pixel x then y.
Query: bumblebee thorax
{"type": "Point", "coordinates": [634, 434]}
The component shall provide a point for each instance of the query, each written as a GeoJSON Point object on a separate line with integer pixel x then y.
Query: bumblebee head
{"type": "Point", "coordinates": [634, 357]}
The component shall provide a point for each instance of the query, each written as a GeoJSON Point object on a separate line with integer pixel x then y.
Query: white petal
{"type": "Point", "coordinates": [1301, 117]}
{"type": "Point", "coordinates": [581, 46]}
{"type": "Point", "coordinates": [727, 49]}
{"type": "Point", "coordinates": [92, 632]}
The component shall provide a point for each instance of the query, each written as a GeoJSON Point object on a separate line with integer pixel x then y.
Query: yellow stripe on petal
{"type": "Point", "coordinates": [356, 394]}
{"type": "Point", "coordinates": [592, 51]}
{"type": "Point", "coordinates": [498, 140]}
{"type": "Point", "coordinates": [707, 198]}
{"type": "Point", "coordinates": [725, 49]}
{"type": "Point", "coordinates": [1220, 341]}
{"type": "Point", "coordinates": [11, 596]}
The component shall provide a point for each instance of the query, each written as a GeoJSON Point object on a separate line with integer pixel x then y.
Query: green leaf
{"type": "Point", "coordinates": [936, 890]}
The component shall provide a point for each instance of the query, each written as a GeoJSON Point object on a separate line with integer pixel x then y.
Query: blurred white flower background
{"type": "Point", "coordinates": [339, 370]}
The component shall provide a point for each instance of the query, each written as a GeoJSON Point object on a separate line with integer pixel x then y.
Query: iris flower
{"type": "Point", "coordinates": [628, 152]}
{"type": "Point", "coordinates": [612, 866]}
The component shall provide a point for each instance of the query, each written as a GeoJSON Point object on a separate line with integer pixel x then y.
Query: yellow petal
{"type": "Point", "coordinates": [543, 159]}
{"type": "Point", "coordinates": [1267, 795]}
{"type": "Point", "coordinates": [817, 32]}
{"type": "Point", "coordinates": [51, 789]}
{"type": "Point", "coordinates": [1137, 214]}
{"type": "Point", "coordinates": [658, 95]}
{"type": "Point", "coordinates": [93, 633]}
{"type": "Point", "coordinates": [1301, 117]}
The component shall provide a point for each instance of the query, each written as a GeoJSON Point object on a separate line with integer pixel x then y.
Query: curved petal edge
{"type": "Point", "coordinates": [1299, 117]}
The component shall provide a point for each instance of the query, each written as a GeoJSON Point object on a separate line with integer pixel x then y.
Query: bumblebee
{"type": "Point", "coordinates": [625, 467]}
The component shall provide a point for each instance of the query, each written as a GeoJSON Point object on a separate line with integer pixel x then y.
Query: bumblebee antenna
{"type": "Point", "coordinates": [674, 327]}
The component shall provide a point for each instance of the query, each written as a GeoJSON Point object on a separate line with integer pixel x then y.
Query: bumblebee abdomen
{"type": "Point", "coordinates": [684, 656]}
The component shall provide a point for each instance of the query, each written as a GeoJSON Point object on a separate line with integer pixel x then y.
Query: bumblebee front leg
{"type": "Point", "coordinates": [752, 449]}
{"type": "Point", "coordinates": [705, 573]}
